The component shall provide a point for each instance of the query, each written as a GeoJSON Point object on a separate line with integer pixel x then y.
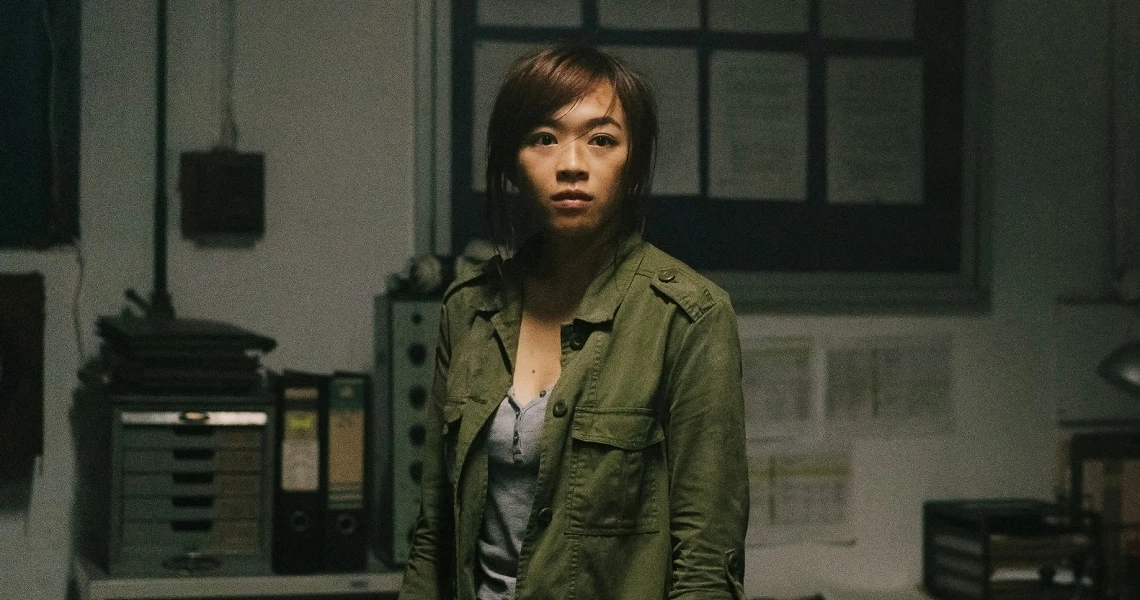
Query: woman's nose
{"type": "Point", "coordinates": [571, 166]}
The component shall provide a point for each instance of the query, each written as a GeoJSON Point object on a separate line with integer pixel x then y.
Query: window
{"type": "Point", "coordinates": [814, 154]}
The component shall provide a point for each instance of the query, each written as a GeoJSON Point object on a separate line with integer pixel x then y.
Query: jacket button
{"type": "Point", "coordinates": [544, 516]}
{"type": "Point", "coordinates": [559, 409]}
{"type": "Point", "coordinates": [666, 275]}
{"type": "Point", "coordinates": [578, 341]}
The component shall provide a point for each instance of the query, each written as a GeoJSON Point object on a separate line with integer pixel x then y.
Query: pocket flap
{"type": "Point", "coordinates": [452, 412]}
{"type": "Point", "coordinates": [629, 429]}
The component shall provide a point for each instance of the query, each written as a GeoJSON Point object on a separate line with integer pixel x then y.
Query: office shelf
{"type": "Point", "coordinates": [92, 583]}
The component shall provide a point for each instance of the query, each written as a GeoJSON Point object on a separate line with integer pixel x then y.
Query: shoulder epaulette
{"type": "Point", "coordinates": [685, 287]}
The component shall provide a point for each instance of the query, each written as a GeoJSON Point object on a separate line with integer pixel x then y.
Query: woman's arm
{"type": "Point", "coordinates": [429, 573]}
{"type": "Point", "coordinates": [707, 461]}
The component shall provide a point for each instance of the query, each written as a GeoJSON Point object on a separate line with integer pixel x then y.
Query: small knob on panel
{"type": "Point", "coordinates": [417, 397]}
{"type": "Point", "coordinates": [417, 434]}
{"type": "Point", "coordinates": [417, 353]}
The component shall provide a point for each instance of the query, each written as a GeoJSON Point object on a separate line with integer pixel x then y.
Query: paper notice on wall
{"type": "Point", "coordinates": [758, 125]}
{"type": "Point", "coordinates": [799, 494]}
{"type": "Point", "coordinates": [890, 386]}
{"type": "Point", "coordinates": [874, 131]}
{"type": "Point", "coordinates": [672, 73]}
{"type": "Point", "coordinates": [778, 387]}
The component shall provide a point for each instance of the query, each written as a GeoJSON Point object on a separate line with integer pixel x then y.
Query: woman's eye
{"type": "Point", "coordinates": [604, 140]}
{"type": "Point", "coordinates": [542, 139]}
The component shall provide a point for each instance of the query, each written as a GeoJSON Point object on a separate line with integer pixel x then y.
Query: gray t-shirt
{"type": "Point", "coordinates": [512, 454]}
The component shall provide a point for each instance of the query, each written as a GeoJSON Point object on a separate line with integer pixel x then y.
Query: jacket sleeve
{"type": "Point", "coordinates": [707, 459]}
{"type": "Point", "coordinates": [429, 573]}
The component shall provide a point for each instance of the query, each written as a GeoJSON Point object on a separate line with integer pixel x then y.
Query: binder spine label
{"type": "Point", "coordinates": [300, 452]}
{"type": "Point", "coordinates": [346, 446]}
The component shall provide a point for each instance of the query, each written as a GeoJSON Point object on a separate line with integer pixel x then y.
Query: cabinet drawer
{"type": "Point", "coordinates": [192, 508]}
{"type": "Point", "coordinates": [191, 436]}
{"type": "Point", "coordinates": [191, 484]}
{"type": "Point", "coordinates": [219, 537]}
{"type": "Point", "coordinates": [196, 460]}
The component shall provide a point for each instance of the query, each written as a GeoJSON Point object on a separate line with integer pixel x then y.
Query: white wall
{"type": "Point", "coordinates": [324, 89]}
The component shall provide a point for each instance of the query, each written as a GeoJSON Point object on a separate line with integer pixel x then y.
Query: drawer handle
{"type": "Point", "coordinates": [192, 429]}
{"type": "Point", "coordinates": [192, 478]}
{"type": "Point", "coordinates": [191, 525]}
{"type": "Point", "coordinates": [194, 454]}
{"type": "Point", "coordinates": [194, 416]}
{"type": "Point", "coordinates": [191, 562]}
{"type": "Point", "coordinates": [192, 501]}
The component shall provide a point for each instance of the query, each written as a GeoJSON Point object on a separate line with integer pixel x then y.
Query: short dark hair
{"type": "Point", "coordinates": [540, 83]}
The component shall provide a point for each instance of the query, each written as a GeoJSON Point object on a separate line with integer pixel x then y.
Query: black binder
{"type": "Point", "coordinates": [298, 506]}
{"type": "Point", "coordinates": [345, 537]}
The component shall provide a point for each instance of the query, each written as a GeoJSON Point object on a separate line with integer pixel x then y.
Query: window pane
{"type": "Point", "coordinates": [758, 125]}
{"type": "Point", "coordinates": [867, 19]}
{"type": "Point", "coordinates": [639, 14]}
{"type": "Point", "coordinates": [531, 13]}
{"type": "Point", "coordinates": [759, 16]}
{"type": "Point", "coordinates": [672, 72]}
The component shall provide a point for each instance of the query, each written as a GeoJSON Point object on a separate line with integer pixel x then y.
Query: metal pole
{"type": "Point", "coordinates": [160, 304]}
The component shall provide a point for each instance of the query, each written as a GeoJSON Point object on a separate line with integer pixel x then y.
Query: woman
{"type": "Point", "coordinates": [586, 430]}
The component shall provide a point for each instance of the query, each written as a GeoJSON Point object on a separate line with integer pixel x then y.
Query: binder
{"type": "Point", "coordinates": [345, 537]}
{"type": "Point", "coordinates": [298, 512]}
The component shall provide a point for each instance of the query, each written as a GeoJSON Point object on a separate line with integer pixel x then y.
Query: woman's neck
{"type": "Point", "coordinates": [565, 268]}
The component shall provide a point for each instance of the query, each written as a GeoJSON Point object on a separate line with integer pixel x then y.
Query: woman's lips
{"type": "Point", "coordinates": [571, 199]}
{"type": "Point", "coordinates": [572, 195]}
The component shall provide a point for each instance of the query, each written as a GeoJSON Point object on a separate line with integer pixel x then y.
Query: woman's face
{"type": "Point", "coordinates": [570, 167]}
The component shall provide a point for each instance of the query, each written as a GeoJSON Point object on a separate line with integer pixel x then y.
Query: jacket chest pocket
{"type": "Point", "coordinates": [616, 467]}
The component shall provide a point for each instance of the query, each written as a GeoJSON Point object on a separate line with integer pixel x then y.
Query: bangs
{"type": "Point", "coordinates": [547, 82]}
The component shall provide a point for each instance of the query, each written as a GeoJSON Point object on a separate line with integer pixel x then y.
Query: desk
{"type": "Point", "coordinates": [92, 583]}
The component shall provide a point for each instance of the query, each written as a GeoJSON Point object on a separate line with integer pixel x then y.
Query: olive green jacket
{"type": "Point", "coordinates": [642, 488]}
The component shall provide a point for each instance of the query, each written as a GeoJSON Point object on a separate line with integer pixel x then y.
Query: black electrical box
{"type": "Point", "coordinates": [1008, 549]}
{"type": "Point", "coordinates": [223, 196]}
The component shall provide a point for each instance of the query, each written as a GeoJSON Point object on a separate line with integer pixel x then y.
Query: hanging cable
{"type": "Point", "coordinates": [55, 178]}
{"type": "Point", "coordinates": [227, 124]}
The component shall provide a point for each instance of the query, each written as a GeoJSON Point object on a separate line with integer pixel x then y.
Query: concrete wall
{"type": "Point", "coordinates": [324, 89]}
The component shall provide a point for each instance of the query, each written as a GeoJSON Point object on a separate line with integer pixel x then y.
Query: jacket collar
{"type": "Point", "coordinates": [599, 304]}
{"type": "Point", "coordinates": [605, 293]}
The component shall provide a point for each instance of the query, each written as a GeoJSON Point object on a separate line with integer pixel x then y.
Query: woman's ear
{"type": "Point", "coordinates": [511, 173]}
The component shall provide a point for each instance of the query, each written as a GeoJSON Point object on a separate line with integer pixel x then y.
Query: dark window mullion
{"type": "Point", "coordinates": [703, 104]}
{"type": "Point", "coordinates": [591, 22]}
{"type": "Point", "coordinates": [816, 111]}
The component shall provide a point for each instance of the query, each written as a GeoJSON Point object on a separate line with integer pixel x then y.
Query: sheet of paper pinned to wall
{"type": "Point", "coordinates": [874, 131]}
{"type": "Point", "coordinates": [672, 73]}
{"type": "Point", "coordinates": [758, 125]}
{"type": "Point", "coordinates": [659, 14]}
{"type": "Point", "coordinates": [890, 386]}
{"type": "Point", "coordinates": [530, 13]}
{"type": "Point", "coordinates": [800, 493]}
{"type": "Point", "coordinates": [779, 389]}
{"type": "Point", "coordinates": [759, 16]}
{"type": "Point", "coordinates": [492, 59]}
{"type": "Point", "coordinates": [867, 19]}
